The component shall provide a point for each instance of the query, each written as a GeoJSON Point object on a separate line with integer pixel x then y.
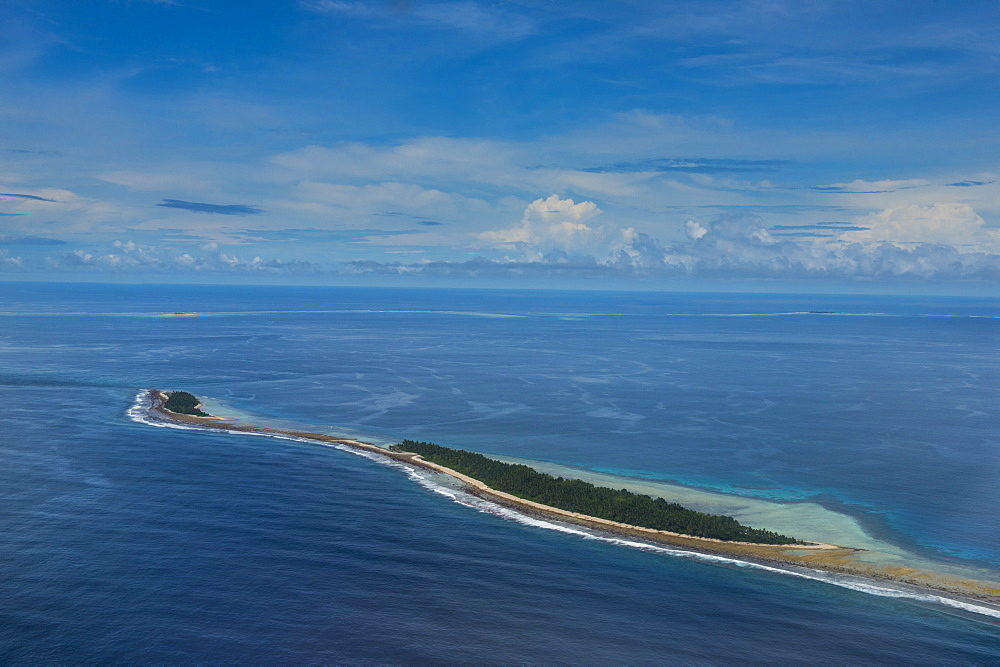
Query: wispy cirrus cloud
{"type": "Point", "coordinates": [448, 164]}
{"type": "Point", "coordinates": [486, 21]}
{"type": "Point", "coordinates": [693, 166]}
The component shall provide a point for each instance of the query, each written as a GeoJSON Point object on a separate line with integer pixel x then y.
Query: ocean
{"type": "Point", "coordinates": [861, 418]}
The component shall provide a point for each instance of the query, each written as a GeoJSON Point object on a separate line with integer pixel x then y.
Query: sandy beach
{"type": "Point", "coordinates": [811, 555]}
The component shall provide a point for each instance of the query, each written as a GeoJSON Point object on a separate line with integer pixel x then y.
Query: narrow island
{"type": "Point", "coordinates": [522, 486]}
{"type": "Point", "coordinates": [615, 511]}
{"type": "Point", "coordinates": [574, 495]}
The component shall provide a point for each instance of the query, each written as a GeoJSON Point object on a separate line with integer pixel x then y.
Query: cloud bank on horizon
{"type": "Point", "coordinates": [458, 141]}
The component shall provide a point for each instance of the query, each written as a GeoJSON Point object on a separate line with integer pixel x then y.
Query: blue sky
{"type": "Point", "coordinates": [653, 144]}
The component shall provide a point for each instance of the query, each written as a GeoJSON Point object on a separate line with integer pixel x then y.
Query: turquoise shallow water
{"type": "Point", "coordinates": [129, 542]}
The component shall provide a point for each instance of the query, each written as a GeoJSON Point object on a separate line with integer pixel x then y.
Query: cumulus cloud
{"type": "Point", "coordinates": [945, 224]}
{"type": "Point", "coordinates": [132, 257]}
{"type": "Point", "coordinates": [694, 230]}
{"type": "Point", "coordinates": [556, 237]}
{"type": "Point", "coordinates": [741, 246]}
{"type": "Point", "coordinates": [725, 244]}
{"type": "Point", "coordinates": [548, 223]}
{"type": "Point", "coordinates": [8, 262]}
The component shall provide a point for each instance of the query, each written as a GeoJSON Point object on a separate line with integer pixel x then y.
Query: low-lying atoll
{"type": "Point", "coordinates": [522, 487]}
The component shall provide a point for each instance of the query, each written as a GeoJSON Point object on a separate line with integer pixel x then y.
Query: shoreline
{"type": "Point", "coordinates": [823, 557]}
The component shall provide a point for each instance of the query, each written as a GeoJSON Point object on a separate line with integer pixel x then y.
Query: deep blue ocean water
{"type": "Point", "coordinates": [123, 542]}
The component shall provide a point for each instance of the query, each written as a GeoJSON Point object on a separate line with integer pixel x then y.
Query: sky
{"type": "Point", "coordinates": [650, 144]}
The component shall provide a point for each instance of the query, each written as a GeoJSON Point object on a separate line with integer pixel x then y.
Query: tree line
{"type": "Point", "coordinates": [184, 403]}
{"type": "Point", "coordinates": [582, 497]}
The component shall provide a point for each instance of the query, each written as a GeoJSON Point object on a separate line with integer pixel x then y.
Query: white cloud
{"type": "Point", "coordinates": [548, 223]}
{"type": "Point", "coordinates": [129, 256]}
{"type": "Point", "coordinates": [733, 246]}
{"type": "Point", "coordinates": [728, 247]}
{"type": "Point", "coordinates": [694, 230]}
{"type": "Point", "coordinates": [642, 252]}
{"type": "Point", "coordinates": [946, 224]}
{"type": "Point", "coordinates": [6, 261]}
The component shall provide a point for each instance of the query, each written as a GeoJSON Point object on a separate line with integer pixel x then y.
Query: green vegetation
{"type": "Point", "coordinates": [585, 498]}
{"type": "Point", "coordinates": [184, 403]}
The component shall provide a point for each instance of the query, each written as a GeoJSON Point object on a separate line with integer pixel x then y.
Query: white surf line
{"type": "Point", "coordinates": [139, 413]}
{"type": "Point", "coordinates": [857, 584]}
